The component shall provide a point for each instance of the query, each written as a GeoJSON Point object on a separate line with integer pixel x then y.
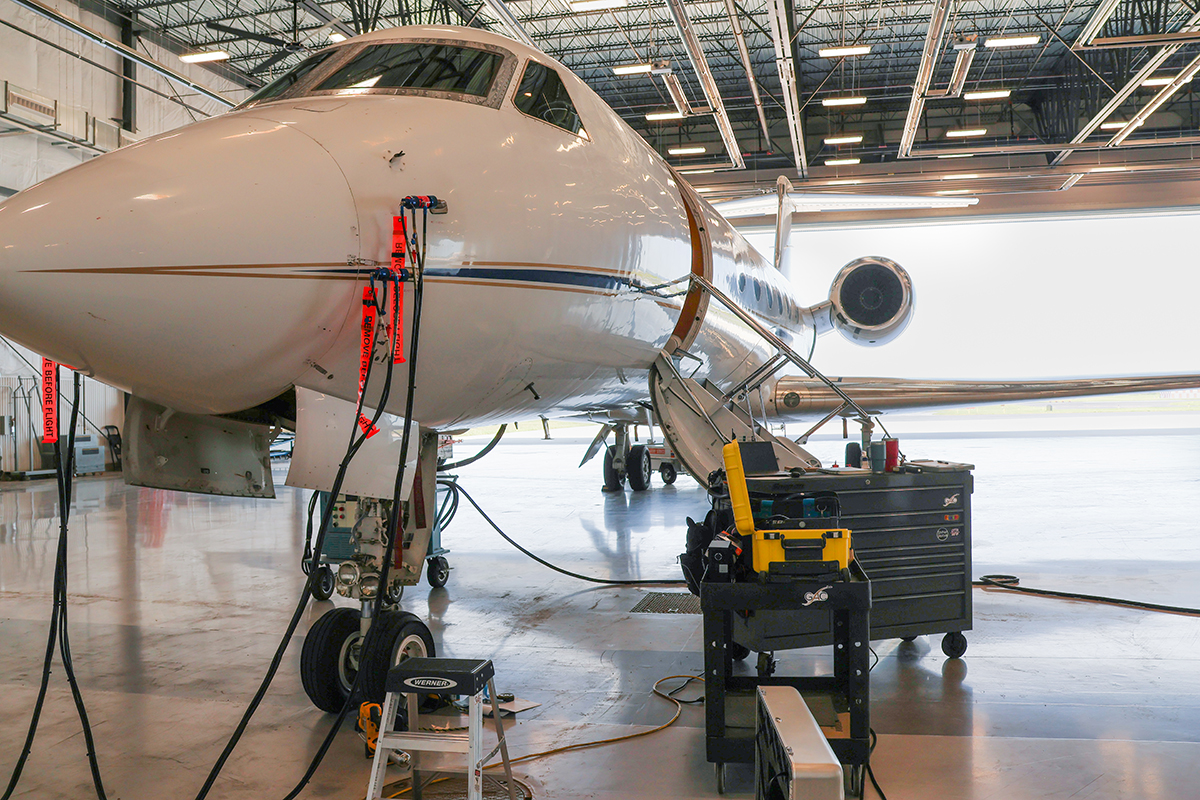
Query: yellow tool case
{"type": "Point", "coordinates": [798, 536]}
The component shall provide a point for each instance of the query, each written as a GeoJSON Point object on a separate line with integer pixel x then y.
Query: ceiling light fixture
{"type": "Point", "coordinates": [843, 52]}
{"type": "Point", "coordinates": [337, 38]}
{"type": "Point", "coordinates": [849, 182]}
{"type": "Point", "coordinates": [842, 162]}
{"type": "Point", "coordinates": [843, 101]}
{"type": "Point", "coordinates": [954, 191]}
{"type": "Point", "coordinates": [660, 115]}
{"type": "Point", "coordinates": [957, 155]}
{"type": "Point", "coordinates": [847, 139]}
{"type": "Point", "coordinates": [991, 94]}
{"type": "Point", "coordinates": [962, 133]}
{"type": "Point", "coordinates": [696, 171]}
{"type": "Point", "coordinates": [1012, 41]}
{"type": "Point", "coordinates": [597, 5]}
{"type": "Point", "coordinates": [959, 177]}
{"type": "Point", "coordinates": [1162, 81]}
{"type": "Point", "coordinates": [686, 151]}
{"type": "Point", "coordinates": [633, 69]}
{"type": "Point", "coordinates": [1112, 126]}
{"type": "Point", "coordinates": [207, 55]}
{"type": "Point", "coordinates": [1108, 169]}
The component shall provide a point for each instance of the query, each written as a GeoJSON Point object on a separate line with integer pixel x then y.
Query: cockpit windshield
{"type": "Point", "coordinates": [281, 85]}
{"type": "Point", "coordinates": [471, 72]}
{"type": "Point", "coordinates": [413, 65]}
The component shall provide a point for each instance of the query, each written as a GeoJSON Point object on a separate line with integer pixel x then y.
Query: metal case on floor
{"type": "Point", "coordinates": [912, 536]}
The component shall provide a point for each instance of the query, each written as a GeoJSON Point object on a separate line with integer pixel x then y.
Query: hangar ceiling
{"type": "Point", "coordinates": [949, 96]}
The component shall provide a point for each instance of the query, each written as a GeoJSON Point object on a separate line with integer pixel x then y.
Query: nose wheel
{"type": "Point", "coordinates": [334, 654]}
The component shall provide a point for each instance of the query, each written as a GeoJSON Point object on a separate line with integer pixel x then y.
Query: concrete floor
{"type": "Point", "coordinates": [178, 602]}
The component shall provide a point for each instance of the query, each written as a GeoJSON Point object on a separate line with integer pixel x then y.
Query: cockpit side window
{"type": "Point", "coordinates": [281, 85]}
{"type": "Point", "coordinates": [412, 65]}
{"type": "Point", "coordinates": [542, 95]}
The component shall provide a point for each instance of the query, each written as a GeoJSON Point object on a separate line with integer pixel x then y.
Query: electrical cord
{"type": "Point", "coordinates": [1012, 583]}
{"type": "Point", "coordinates": [545, 563]}
{"type": "Point", "coordinates": [472, 459]}
{"type": "Point", "coordinates": [871, 772]}
{"type": "Point", "coordinates": [357, 438]}
{"type": "Point", "coordinates": [392, 533]}
{"type": "Point", "coordinates": [58, 616]}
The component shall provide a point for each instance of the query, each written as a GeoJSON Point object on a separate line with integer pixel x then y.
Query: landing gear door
{"type": "Point", "coordinates": [323, 428]}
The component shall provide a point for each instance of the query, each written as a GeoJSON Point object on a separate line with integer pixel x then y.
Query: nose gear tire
{"type": "Point", "coordinates": [329, 659]}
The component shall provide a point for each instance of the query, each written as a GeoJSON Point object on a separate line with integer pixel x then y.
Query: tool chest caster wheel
{"type": "Point", "coordinates": [954, 644]}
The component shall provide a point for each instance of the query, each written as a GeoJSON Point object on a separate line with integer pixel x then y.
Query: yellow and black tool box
{"type": "Point", "coordinates": [793, 534]}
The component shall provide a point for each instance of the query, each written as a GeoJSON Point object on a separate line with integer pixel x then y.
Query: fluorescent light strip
{"type": "Point", "coordinates": [336, 37]}
{"type": "Point", "coordinates": [968, 132]}
{"type": "Point", "coordinates": [597, 5]}
{"type": "Point", "coordinates": [959, 177]}
{"type": "Point", "coordinates": [842, 182]}
{"type": "Point", "coordinates": [660, 115]}
{"type": "Point", "coordinates": [848, 139]}
{"type": "Point", "coordinates": [1012, 41]}
{"type": "Point", "coordinates": [632, 69]}
{"type": "Point", "coordinates": [696, 171]}
{"type": "Point", "coordinates": [843, 101]}
{"type": "Point", "coordinates": [957, 155]}
{"type": "Point", "coordinates": [954, 191]}
{"type": "Point", "coordinates": [842, 162]}
{"type": "Point", "coordinates": [993, 94]}
{"type": "Point", "coordinates": [1108, 169]}
{"type": "Point", "coordinates": [207, 55]}
{"type": "Point", "coordinates": [685, 151]}
{"type": "Point", "coordinates": [1162, 81]}
{"type": "Point", "coordinates": [842, 52]}
{"type": "Point", "coordinates": [1112, 126]}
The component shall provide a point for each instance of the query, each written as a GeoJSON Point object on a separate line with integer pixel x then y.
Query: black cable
{"type": "Point", "coordinates": [357, 439]}
{"type": "Point", "coordinates": [449, 508]}
{"type": "Point", "coordinates": [547, 564]}
{"type": "Point", "coordinates": [393, 532]}
{"type": "Point", "coordinates": [307, 564]}
{"type": "Point", "coordinates": [1011, 583]}
{"type": "Point", "coordinates": [472, 459]}
{"type": "Point", "coordinates": [65, 468]}
{"type": "Point", "coordinates": [871, 772]}
{"type": "Point", "coordinates": [65, 474]}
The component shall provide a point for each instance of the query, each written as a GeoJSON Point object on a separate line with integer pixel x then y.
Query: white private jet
{"type": "Point", "coordinates": [216, 273]}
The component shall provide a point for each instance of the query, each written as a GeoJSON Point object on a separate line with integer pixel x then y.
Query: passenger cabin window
{"type": "Point", "coordinates": [417, 65]}
{"type": "Point", "coordinates": [282, 84]}
{"type": "Point", "coordinates": [541, 94]}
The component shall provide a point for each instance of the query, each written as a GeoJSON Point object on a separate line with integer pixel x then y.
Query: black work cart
{"type": "Point", "coordinates": [845, 606]}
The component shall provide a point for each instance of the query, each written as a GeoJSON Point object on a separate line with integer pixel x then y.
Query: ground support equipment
{"type": "Point", "coordinates": [848, 603]}
{"type": "Point", "coordinates": [912, 535]}
{"type": "Point", "coordinates": [454, 676]}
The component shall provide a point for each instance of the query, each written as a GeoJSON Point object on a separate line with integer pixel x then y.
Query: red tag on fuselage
{"type": "Point", "coordinates": [49, 401]}
{"type": "Point", "coordinates": [364, 358]}
{"type": "Point", "coordinates": [399, 245]}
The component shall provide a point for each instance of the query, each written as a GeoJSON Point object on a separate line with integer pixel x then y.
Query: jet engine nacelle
{"type": "Point", "coordinates": [871, 301]}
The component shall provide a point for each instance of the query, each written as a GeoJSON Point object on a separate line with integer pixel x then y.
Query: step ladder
{"type": "Point", "coordinates": [453, 676]}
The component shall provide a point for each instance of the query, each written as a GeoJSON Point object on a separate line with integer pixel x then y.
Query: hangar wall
{"type": "Point", "coordinates": [27, 158]}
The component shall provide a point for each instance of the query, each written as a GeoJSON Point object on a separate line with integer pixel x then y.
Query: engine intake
{"type": "Point", "coordinates": [872, 300]}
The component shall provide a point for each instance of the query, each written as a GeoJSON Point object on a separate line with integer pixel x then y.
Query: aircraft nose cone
{"type": "Point", "coordinates": [178, 257]}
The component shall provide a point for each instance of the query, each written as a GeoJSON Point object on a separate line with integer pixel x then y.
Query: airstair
{"type": "Point", "coordinates": [698, 418]}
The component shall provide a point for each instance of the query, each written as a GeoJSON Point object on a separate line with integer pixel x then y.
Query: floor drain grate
{"type": "Point", "coordinates": [454, 787]}
{"type": "Point", "coordinates": [668, 603]}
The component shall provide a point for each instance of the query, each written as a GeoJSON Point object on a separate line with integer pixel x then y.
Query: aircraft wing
{"type": "Point", "coordinates": [806, 397]}
{"type": "Point", "coordinates": [767, 205]}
